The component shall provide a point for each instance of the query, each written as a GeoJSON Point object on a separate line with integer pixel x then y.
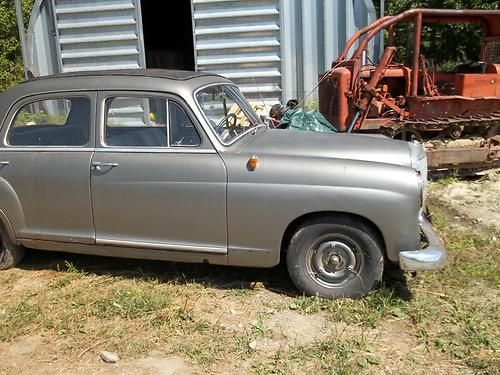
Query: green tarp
{"type": "Point", "coordinates": [301, 120]}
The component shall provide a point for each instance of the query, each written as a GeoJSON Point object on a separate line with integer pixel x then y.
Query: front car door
{"type": "Point", "coordinates": [45, 153]}
{"type": "Point", "coordinates": [157, 182]}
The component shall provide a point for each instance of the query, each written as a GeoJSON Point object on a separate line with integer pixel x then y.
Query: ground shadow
{"type": "Point", "coordinates": [222, 277]}
{"type": "Point", "coordinates": [396, 281]}
{"type": "Point", "coordinates": [274, 279]}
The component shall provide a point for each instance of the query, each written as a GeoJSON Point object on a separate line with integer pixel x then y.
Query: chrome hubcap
{"type": "Point", "coordinates": [331, 262]}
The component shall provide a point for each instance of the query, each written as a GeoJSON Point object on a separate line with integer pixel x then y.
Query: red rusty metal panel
{"type": "Point", "coordinates": [477, 85]}
{"type": "Point", "coordinates": [334, 104]}
{"type": "Point", "coordinates": [445, 106]}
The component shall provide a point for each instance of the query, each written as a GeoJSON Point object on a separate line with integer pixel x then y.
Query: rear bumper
{"type": "Point", "coordinates": [431, 258]}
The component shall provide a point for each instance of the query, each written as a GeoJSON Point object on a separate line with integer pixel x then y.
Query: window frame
{"type": "Point", "coordinates": [104, 122]}
{"type": "Point", "coordinates": [169, 126]}
{"type": "Point", "coordinates": [213, 135]}
{"type": "Point", "coordinates": [65, 95]}
{"type": "Point", "coordinates": [203, 147]}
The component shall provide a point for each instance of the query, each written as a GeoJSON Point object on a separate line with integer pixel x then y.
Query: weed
{"type": "Point", "coordinates": [333, 356]}
{"type": "Point", "coordinates": [258, 328]}
{"type": "Point", "coordinates": [130, 302]}
{"type": "Point", "coordinates": [19, 319]}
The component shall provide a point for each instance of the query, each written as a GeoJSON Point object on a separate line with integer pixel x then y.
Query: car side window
{"type": "Point", "coordinates": [51, 122]}
{"type": "Point", "coordinates": [182, 130]}
{"type": "Point", "coordinates": [136, 121]}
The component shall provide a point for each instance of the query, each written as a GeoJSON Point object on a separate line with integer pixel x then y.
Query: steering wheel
{"type": "Point", "coordinates": [226, 121]}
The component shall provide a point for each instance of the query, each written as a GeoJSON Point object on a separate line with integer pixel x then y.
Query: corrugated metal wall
{"type": "Point", "coordinates": [273, 49]}
{"type": "Point", "coordinates": [313, 32]}
{"type": "Point", "coordinates": [94, 35]}
{"type": "Point", "coordinates": [241, 40]}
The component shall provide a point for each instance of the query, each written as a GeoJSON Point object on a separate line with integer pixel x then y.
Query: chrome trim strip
{"type": "Point", "coordinates": [163, 246]}
{"type": "Point", "coordinates": [156, 150]}
{"type": "Point", "coordinates": [48, 148]}
{"type": "Point", "coordinates": [126, 252]}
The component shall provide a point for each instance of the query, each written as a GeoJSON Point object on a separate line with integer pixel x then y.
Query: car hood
{"type": "Point", "coordinates": [373, 148]}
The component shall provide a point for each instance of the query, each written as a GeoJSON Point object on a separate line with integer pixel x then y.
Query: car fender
{"type": "Point", "coordinates": [262, 203]}
{"type": "Point", "coordinates": [11, 212]}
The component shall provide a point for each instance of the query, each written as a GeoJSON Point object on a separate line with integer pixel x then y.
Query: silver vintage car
{"type": "Point", "coordinates": [177, 166]}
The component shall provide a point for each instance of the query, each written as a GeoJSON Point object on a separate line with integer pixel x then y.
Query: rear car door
{"type": "Point", "coordinates": [47, 145]}
{"type": "Point", "coordinates": [157, 182]}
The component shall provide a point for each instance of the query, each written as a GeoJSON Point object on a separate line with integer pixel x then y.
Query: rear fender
{"type": "Point", "coordinates": [11, 211]}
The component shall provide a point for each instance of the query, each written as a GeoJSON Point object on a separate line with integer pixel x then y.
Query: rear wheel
{"type": "Point", "coordinates": [335, 257]}
{"type": "Point", "coordinates": [10, 253]}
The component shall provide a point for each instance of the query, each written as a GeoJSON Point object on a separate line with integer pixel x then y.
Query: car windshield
{"type": "Point", "coordinates": [228, 112]}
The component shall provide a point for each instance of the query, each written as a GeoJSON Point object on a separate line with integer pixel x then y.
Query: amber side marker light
{"type": "Point", "coordinates": [252, 163]}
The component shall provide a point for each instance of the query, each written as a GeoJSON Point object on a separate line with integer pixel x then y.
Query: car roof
{"type": "Point", "coordinates": [178, 75]}
{"type": "Point", "coordinates": [177, 82]}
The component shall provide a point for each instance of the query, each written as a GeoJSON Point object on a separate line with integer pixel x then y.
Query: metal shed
{"type": "Point", "coordinates": [273, 49]}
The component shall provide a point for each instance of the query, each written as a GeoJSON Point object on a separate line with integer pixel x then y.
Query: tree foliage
{"type": "Point", "coordinates": [446, 44]}
{"type": "Point", "coordinates": [11, 65]}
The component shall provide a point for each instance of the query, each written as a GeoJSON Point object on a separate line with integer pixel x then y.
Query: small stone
{"type": "Point", "coordinates": [233, 311]}
{"type": "Point", "coordinates": [252, 345]}
{"type": "Point", "coordinates": [109, 357]}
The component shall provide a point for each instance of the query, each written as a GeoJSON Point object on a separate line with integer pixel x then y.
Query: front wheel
{"type": "Point", "coordinates": [335, 257]}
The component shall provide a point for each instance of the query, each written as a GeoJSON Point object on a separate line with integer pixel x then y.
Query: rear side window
{"type": "Point", "coordinates": [51, 122]}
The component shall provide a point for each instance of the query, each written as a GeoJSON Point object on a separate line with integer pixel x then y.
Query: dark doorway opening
{"type": "Point", "coordinates": [168, 34]}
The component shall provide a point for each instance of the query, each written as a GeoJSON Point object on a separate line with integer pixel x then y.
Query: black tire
{"type": "Point", "coordinates": [335, 257]}
{"type": "Point", "coordinates": [10, 253]}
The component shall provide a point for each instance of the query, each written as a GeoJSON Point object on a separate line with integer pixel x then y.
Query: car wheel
{"type": "Point", "coordinates": [335, 257]}
{"type": "Point", "coordinates": [10, 253]}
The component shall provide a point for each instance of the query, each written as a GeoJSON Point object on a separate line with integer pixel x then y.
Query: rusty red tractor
{"type": "Point", "coordinates": [455, 114]}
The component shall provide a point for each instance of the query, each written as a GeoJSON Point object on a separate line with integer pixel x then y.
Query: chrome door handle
{"type": "Point", "coordinates": [4, 163]}
{"type": "Point", "coordinates": [97, 165]}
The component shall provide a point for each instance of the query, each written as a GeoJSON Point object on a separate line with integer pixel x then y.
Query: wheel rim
{"type": "Point", "coordinates": [332, 262]}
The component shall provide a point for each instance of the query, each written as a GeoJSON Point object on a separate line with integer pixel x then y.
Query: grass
{"type": "Point", "coordinates": [450, 318]}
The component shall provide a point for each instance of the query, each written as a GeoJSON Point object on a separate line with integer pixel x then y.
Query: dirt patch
{"type": "Point", "coordinates": [296, 329]}
{"type": "Point", "coordinates": [474, 200]}
{"type": "Point", "coordinates": [287, 329]}
{"type": "Point", "coordinates": [240, 312]}
{"type": "Point", "coordinates": [21, 350]}
{"type": "Point", "coordinates": [160, 364]}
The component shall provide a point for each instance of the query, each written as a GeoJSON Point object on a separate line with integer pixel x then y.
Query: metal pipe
{"type": "Point", "coordinates": [381, 35]}
{"type": "Point", "coordinates": [353, 122]}
{"type": "Point", "coordinates": [434, 15]}
{"type": "Point", "coordinates": [22, 35]}
{"type": "Point", "coordinates": [358, 35]}
{"type": "Point", "coordinates": [376, 76]}
{"type": "Point", "coordinates": [390, 39]}
{"type": "Point", "coordinates": [417, 31]}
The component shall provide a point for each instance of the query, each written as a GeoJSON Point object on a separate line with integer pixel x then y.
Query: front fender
{"type": "Point", "coordinates": [262, 203]}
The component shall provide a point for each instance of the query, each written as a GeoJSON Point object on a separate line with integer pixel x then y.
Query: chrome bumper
{"type": "Point", "coordinates": [431, 258]}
